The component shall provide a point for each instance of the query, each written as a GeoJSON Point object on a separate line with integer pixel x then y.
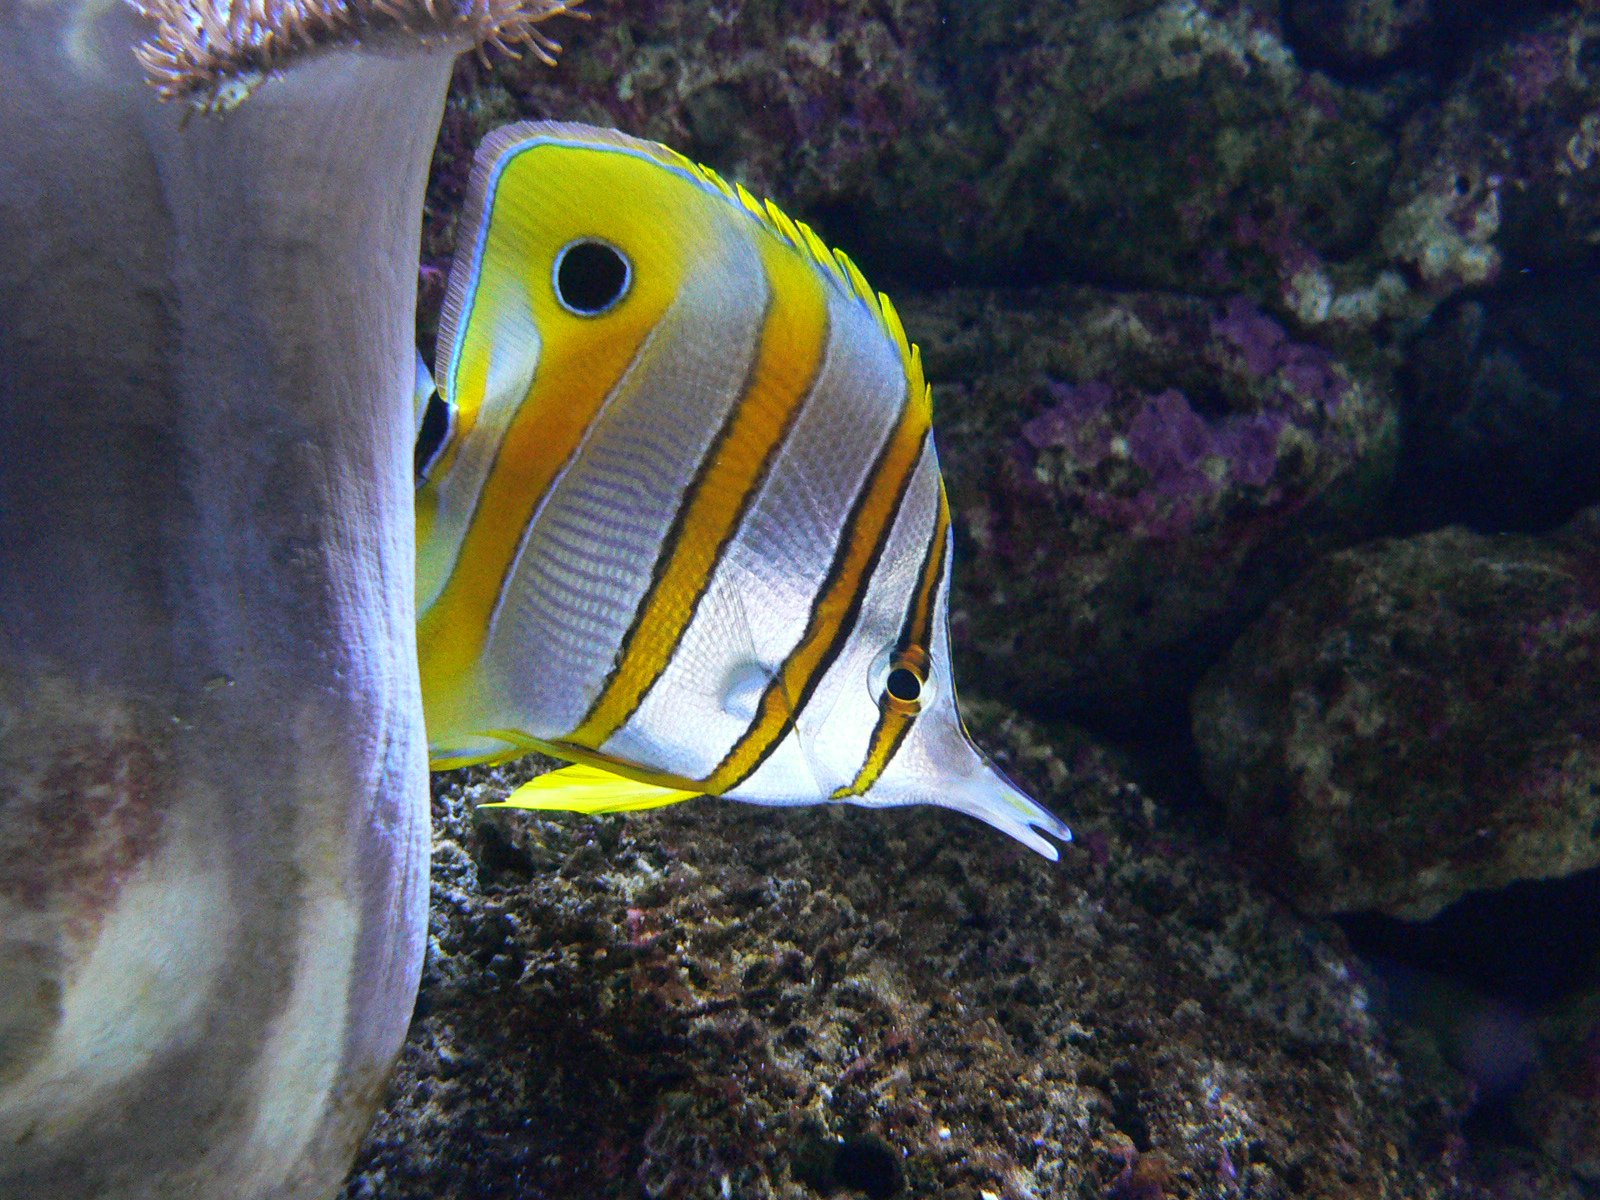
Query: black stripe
{"type": "Point", "coordinates": [685, 502]}
{"type": "Point", "coordinates": [847, 622]}
{"type": "Point", "coordinates": [933, 559]}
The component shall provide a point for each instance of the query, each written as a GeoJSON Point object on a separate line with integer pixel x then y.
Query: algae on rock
{"type": "Point", "coordinates": [715, 999]}
{"type": "Point", "coordinates": [1134, 476]}
{"type": "Point", "coordinates": [1415, 719]}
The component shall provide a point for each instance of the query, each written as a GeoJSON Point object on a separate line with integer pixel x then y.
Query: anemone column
{"type": "Point", "coordinates": [213, 809]}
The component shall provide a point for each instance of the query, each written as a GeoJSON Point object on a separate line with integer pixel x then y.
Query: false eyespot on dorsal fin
{"type": "Point", "coordinates": [834, 265]}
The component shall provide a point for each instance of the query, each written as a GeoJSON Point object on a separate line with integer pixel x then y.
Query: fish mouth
{"type": "Point", "coordinates": [983, 792]}
{"type": "Point", "coordinates": [993, 799]}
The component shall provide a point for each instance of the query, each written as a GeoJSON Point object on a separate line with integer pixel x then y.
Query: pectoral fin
{"type": "Point", "coordinates": [587, 789]}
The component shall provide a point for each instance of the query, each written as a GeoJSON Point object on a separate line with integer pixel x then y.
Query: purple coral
{"type": "Point", "coordinates": [1302, 370]}
{"type": "Point", "coordinates": [1173, 462]}
{"type": "Point", "coordinates": [1155, 463]}
{"type": "Point", "coordinates": [1533, 66]}
{"type": "Point", "coordinates": [1255, 335]}
{"type": "Point", "coordinates": [1057, 424]}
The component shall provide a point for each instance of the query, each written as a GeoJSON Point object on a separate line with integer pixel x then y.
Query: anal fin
{"type": "Point", "coordinates": [586, 789]}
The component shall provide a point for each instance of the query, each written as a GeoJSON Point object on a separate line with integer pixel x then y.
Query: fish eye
{"type": "Point", "coordinates": [903, 685]}
{"type": "Point", "coordinates": [900, 680]}
{"type": "Point", "coordinates": [590, 277]}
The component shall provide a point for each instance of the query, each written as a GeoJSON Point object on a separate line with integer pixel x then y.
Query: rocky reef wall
{"type": "Point", "coordinates": [1259, 335]}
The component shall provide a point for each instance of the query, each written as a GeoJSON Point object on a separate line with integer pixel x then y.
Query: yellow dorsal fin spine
{"type": "Point", "coordinates": [858, 282]}
{"type": "Point", "coordinates": [834, 264]}
{"type": "Point", "coordinates": [729, 193]}
{"type": "Point", "coordinates": [891, 322]}
{"type": "Point", "coordinates": [914, 371]}
{"type": "Point", "coordinates": [818, 250]}
{"type": "Point", "coordinates": [780, 221]}
{"type": "Point", "coordinates": [751, 205]}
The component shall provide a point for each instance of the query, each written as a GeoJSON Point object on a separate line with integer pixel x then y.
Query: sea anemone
{"type": "Point", "coordinates": [213, 786]}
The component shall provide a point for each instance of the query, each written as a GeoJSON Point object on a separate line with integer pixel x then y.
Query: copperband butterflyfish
{"type": "Point", "coordinates": [680, 518]}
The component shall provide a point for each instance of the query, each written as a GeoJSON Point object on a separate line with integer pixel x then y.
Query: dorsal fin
{"type": "Point", "coordinates": [833, 265]}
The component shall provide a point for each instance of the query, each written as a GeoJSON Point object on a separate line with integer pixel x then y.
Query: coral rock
{"type": "Point", "coordinates": [1416, 719]}
{"type": "Point", "coordinates": [1133, 478]}
{"type": "Point", "coordinates": [1502, 168]}
{"type": "Point", "coordinates": [722, 1000]}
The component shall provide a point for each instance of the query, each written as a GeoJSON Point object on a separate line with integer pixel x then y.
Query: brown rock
{"type": "Point", "coordinates": [723, 1000]}
{"type": "Point", "coordinates": [1416, 719]}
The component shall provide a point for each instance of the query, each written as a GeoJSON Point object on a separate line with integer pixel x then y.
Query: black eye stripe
{"type": "Point", "coordinates": [591, 277]}
{"type": "Point", "coordinates": [437, 421]}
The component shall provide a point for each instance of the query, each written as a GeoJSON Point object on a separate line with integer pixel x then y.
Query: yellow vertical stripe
{"type": "Point", "coordinates": [581, 362]}
{"type": "Point", "coordinates": [792, 342]}
{"type": "Point", "coordinates": [893, 724]}
{"type": "Point", "coordinates": [861, 544]}
{"type": "Point", "coordinates": [562, 404]}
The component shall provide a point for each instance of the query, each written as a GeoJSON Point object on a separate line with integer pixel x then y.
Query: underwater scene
{"type": "Point", "coordinates": [1259, 336]}
{"type": "Point", "coordinates": [989, 600]}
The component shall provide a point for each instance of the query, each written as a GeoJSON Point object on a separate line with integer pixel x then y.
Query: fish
{"type": "Point", "coordinates": [680, 518]}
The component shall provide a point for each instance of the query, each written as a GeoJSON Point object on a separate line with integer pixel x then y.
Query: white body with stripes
{"type": "Point", "coordinates": [680, 514]}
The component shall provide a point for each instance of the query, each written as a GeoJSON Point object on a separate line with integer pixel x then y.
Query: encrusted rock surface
{"type": "Point", "coordinates": [1176, 144]}
{"type": "Point", "coordinates": [1172, 144]}
{"type": "Point", "coordinates": [1531, 107]}
{"type": "Point", "coordinates": [1559, 1108]}
{"type": "Point", "coordinates": [723, 1000]}
{"type": "Point", "coordinates": [1415, 719]}
{"type": "Point", "coordinates": [1133, 477]}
